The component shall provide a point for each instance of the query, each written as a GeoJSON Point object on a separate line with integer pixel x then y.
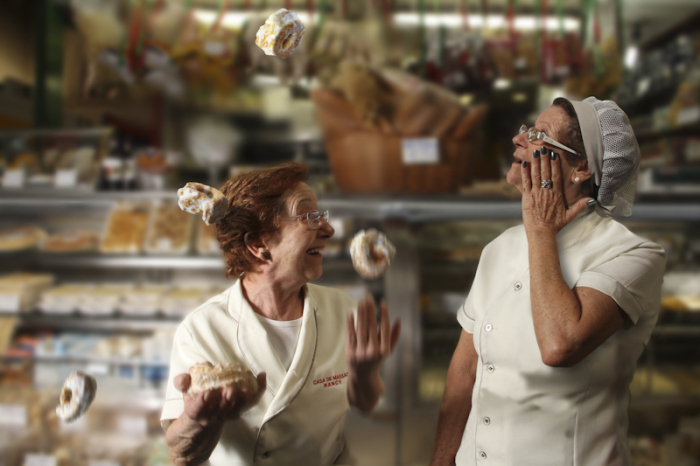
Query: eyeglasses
{"type": "Point", "coordinates": [313, 218]}
{"type": "Point", "coordinates": [534, 135]}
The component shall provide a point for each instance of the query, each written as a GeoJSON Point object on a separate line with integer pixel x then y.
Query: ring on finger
{"type": "Point", "coordinates": [546, 184]}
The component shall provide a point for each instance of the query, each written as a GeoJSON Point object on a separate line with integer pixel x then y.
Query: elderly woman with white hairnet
{"type": "Point", "coordinates": [561, 307]}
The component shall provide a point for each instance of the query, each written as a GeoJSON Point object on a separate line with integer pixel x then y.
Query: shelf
{"type": "Point", "coordinates": [412, 209]}
{"type": "Point", "coordinates": [111, 262]}
{"type": "Point", "coordinates": [87, 360]}
{"type": "Point", "coordinates": [91, 323]}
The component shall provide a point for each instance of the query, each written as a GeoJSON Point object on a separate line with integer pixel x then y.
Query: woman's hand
{"type": "Point", "coordinates": [545, 209]}
{"type": "Point", "coordinates": [365, 349]}
{"type": "Point", "coordinates": [220, 404]}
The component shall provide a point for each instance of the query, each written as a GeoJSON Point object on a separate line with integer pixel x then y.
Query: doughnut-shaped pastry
{"type": "Point", "coordinates": [371, 253]}
{"type": "Point", "coordinates": [78, 392]}
{"type": "Point", "coordinates": [281, 33]}
{"type": "Point", "coordinates": [205, 376]}
{"type": "Point", "coordinates": [198, 198]}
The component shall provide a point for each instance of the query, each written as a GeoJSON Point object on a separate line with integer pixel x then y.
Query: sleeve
{"type": "Point", "coordinates": [184, 355]}
{"type": "Point", "coordinates": [466, 315]}
{"type": "Point", "coordinates": [633, 279]}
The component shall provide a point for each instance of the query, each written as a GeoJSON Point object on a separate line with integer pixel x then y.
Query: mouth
{"type": "Point", "coordinates": [314, 251]}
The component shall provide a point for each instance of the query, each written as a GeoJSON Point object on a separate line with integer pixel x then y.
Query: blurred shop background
{"type": "Point", "coordinates": [404, 111]}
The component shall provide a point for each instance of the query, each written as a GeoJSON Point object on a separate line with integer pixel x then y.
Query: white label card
{"type": "Point", "coordinates": [13, 415]}
{"type": "Point", "coordinates": [13, 179]}
{"type": "Point", "coordinates": [420, 151]}
{"type": "Point", "coordinates": [102, 463]}
{"type": "Point", "coordinates": [33, 459]}
{"type": "Point", "coordinates": [134, 425]}
{"type": "Point", "coordinates": [10, 302]}
{"type": "Point", "coordinates": [688, 116]}
{"type": "Point", "coordinates": [66, 178]}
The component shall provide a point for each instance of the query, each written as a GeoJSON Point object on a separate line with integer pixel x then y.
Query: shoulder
{"type": "Point", "coordinates": [507, 243]}
{"type": "Point", "coordinates": [213, 309]}
{"type": "Point", "coordinates": [618, 239]}
{"type": "Point", "coordinates": [324, 295]}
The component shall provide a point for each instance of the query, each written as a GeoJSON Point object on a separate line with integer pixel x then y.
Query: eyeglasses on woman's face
{"type": "Point", "coordinates": [534, 135]}
{"type": "Point", "coordinates": [313, 218]}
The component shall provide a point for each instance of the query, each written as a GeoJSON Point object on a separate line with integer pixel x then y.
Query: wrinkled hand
{"type": "Point", "coordinates": [366, 348]}
{"type": "Point", "coordinates": [545, 209]}
{"type": "Point", "coordinates": [219, 404]}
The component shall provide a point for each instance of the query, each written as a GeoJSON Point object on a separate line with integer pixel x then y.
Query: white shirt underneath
{"type": "Point", "coordinates": [284, 336]}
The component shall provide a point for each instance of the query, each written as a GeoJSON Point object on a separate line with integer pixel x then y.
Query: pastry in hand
{"type": "Point", "coordinates": [206, 376]}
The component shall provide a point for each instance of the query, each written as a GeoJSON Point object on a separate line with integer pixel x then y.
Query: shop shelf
{"type": "Point", "coordinates": [91, 323]}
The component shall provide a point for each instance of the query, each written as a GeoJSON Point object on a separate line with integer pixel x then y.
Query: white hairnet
{"type": "Point", "coordinates": [612, 152]}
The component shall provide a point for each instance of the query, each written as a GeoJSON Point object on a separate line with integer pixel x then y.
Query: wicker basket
{"type": "Point", "coordinates": [370, 162]}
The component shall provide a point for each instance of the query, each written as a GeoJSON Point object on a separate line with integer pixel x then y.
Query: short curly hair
{"type": "Point", "coordinates": [255, 206]}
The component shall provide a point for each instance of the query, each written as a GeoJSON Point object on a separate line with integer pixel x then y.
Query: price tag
{"type": "Point", "coordinates": [13, 179]}
{"type": "Point", "coordinates": [164, 244]}
{"type": "Point", "coordinates": [420, 151]}
{"type": "Point", "coordinates": [688, 116]}
{"type": "Point", "coordinates": [33, 459]}
{"type": "Point", "coordinates": [134, 425]}
{"type": "Point", "coordinates": [13, 415]}
{"type": "Point", "coordinates": [10, 302]}
{"type": "Point", "coordinates": [103, 463]}
{"type": "Point", "coordinates": [97, 368]}
{"type": "Point", "coordinates": [67, 178]}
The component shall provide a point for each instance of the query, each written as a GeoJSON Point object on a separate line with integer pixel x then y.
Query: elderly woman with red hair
{"type": "Point", "coordinates": [289, 333]}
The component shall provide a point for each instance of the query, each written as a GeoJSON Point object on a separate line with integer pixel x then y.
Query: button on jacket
{"type": "Point", "coordinates": [301, 416]}
{"type": "Point", "coordinates": [525, 412]}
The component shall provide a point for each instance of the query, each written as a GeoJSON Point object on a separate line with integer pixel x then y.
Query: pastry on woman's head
{"type": "Point", "coordinates": [198, 198]}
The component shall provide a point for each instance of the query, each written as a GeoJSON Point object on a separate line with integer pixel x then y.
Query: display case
{"type": "Point", "coordinates": [438, 241]}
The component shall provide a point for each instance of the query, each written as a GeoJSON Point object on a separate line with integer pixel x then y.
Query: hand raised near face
{"type": "Point", "coordinates": [218, 405]}
{"type": "Point", "coordinates": [366, 347]}
{"type": "Point", "coordinates": [545, 207]}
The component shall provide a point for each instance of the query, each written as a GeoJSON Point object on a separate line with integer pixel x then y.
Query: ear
{"type": "Point", "coordinates": [582, 172]}
{"type": "Point", "coordinates": [255, 245]}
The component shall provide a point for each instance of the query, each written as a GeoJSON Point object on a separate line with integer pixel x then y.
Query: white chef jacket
{"type": "Point", "coordinates": [301, 416]}
{"type": "Point", "coordinates": [526, 413]}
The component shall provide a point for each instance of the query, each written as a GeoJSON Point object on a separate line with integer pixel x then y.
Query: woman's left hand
{"type": "Point", "coordinates": [366, 348]}
{"type": "Point", "coordinates": [545, 209]}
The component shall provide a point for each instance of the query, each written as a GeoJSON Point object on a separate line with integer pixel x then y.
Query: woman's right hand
{"type": "Point", "coordinates": [219, 404]}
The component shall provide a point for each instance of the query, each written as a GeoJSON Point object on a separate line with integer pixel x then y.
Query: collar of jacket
{"type": "Point", "coordinates": [259, 355]}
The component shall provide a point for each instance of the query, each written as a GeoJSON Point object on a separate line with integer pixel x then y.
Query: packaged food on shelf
{"type": "Point", "coordinates": [126, 228]}
{"type": "Point", "coordinates": [170, 230]}
{"type": "Point", "coordinates": [21, 238]}
{"type": "Point", "coordinates": [104, 299]}
{"type": "Point", "coordinates": [63, 299]}
{"type": "Point", "coordinates": [143, 300]}
{"type": "Point", "coordinates": [183, 300]}
{"type": "Point", "coordinates": [20, 292]}
{"type": "Point", "coordinates": [8, 324]}
{"type": "Point", "coordinates": [206, 239]}
{"type": "Point", "coordinates": [121, 347]}
{"type": "Point", "coordinates": [71, 241]}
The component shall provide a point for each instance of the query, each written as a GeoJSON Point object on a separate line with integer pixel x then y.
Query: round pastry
{"type": "Point", "coordinates": [281, 33]}
{"type": "Point", "coordinates": [198, 198]}
{"type": "Point", "coordinates": [78, 392]}
{"type": "Point", "coordinates": [205, 376]}
{"type": "Point", "coordinates": [371, 253]}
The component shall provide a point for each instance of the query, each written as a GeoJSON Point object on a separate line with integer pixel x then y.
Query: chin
{"type": "Point", "coordinates": [514, 180]}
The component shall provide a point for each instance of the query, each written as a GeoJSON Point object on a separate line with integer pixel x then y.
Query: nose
{"type": "Point", "coordinates": [520, 140]}
{"type": "Point", "coordinates": [325, 230]}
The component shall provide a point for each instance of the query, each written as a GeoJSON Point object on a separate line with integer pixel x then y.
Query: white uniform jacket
{"type": "Point", "coordinates": [301, 416]}
{"type": "Point", "coordinates": [526, 413]}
